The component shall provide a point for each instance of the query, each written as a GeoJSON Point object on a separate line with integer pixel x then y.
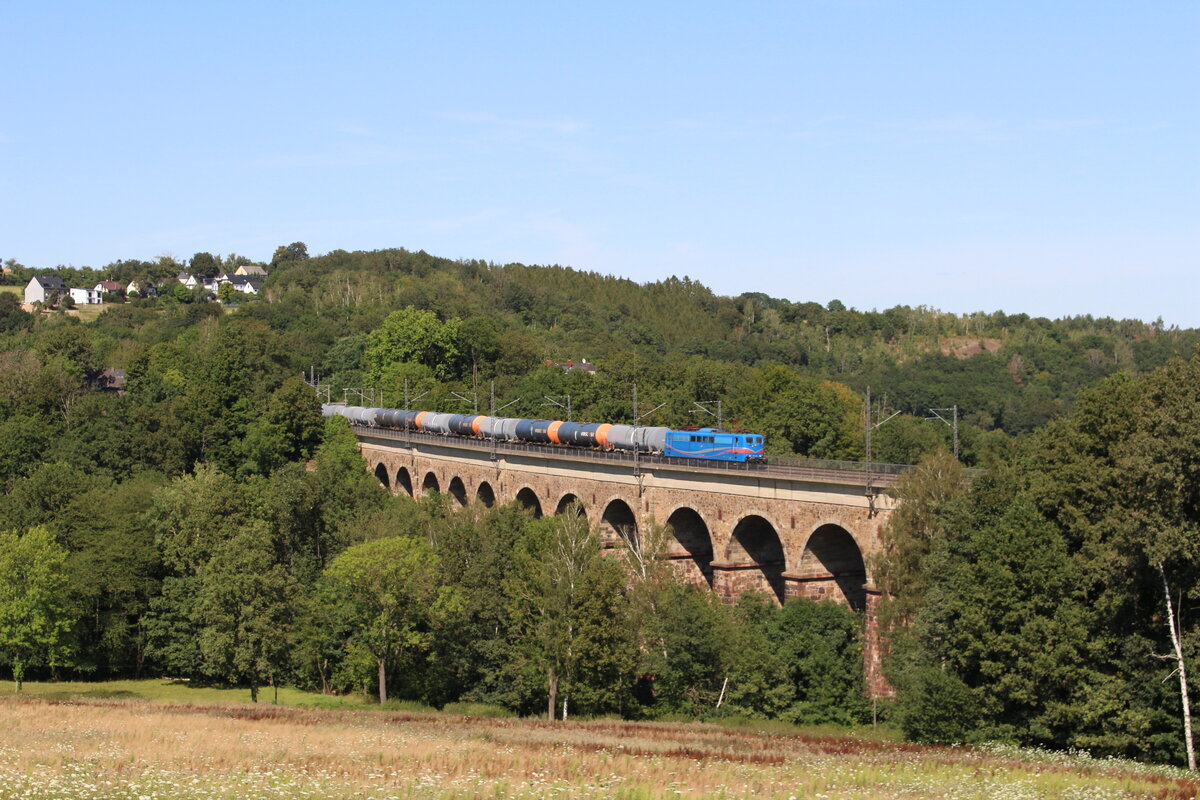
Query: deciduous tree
{"type": "Point", "coordinates": [244, 609]}
{"type": "Point", "coordinates": [413, 336]}
{"type": "Point", "coordinates": [35, 612]}
{"type": "Point", "coordinates": [386, 593]}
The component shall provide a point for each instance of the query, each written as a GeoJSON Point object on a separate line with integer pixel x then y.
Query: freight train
{"type": "Point", "coordinates": [707, 443]}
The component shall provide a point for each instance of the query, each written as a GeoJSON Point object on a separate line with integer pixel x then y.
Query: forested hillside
{"type": "Point", "coordinates": [205, 522]}
{"type": "Point", "coordinates": [795, 371]}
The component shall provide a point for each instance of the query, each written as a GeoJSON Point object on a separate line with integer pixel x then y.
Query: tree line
{"type": "Point", "coordinates": [1008, 373]}
{"type": "Point", "coordinates": [176, 522]}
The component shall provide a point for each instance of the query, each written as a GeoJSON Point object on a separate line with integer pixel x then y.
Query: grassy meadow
{"type": "Point", "coordinates": [143, 740]}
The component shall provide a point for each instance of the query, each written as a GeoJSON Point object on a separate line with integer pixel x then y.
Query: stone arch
{"type": "Point", "coordinates": [381, 474]}
{"type": "Point", "coordinates": [618, 524]}
{"type": "Point", "coordinates": [565, 503]}
{"type": "Point", "coordinates": [430, 484]}
{"type": "Point", "coordinates": [529, 501]}
{"type": "Point", "coordinates": [832, 568]}
{"type": "Point", "coordinates": [404, 481]}
{"type": "Point", "coordinates": [485, 494]}
{"type": "Point", "coordinates": [691, 550]}
{"type": "Point", "coordinates": [457, 490]}
{"type": "Point", "coordinates": [755, 551]}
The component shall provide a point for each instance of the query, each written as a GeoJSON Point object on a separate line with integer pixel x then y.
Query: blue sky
{"type": "Point", "coordinates": [1039, 157]}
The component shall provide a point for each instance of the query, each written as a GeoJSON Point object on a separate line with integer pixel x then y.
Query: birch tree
{"type": "Point", "coordinates": [1160, 491]}
{"type": "Point", "coordinates": [552, 560]}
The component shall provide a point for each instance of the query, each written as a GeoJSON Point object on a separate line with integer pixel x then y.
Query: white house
{"type": "Point", "coordinates": [86, 297]}
{"type": "Point", "coordinates": [251, 270]}
{"type": "Point", "coordinates": [203, 281]}
{"type": "Point", "coordinates": [44, 288]}
{"type": "Point", "coordinates": [245, 284]}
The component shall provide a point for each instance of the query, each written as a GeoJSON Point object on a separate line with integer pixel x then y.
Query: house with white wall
{"type": "Point", "coordinates": [44, 289]}
{"type": "Point", "coordinates": [246, 284]}
{"type": "Point", "coordinates": [86, 297]}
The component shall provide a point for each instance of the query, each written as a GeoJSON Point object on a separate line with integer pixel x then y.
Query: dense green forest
{"type": "Point", "coordinates": [206, 523]}
{"type": "Point", "coordinates": [796, 372]}
{"type": "Point", "coordinates": [1044, 601]}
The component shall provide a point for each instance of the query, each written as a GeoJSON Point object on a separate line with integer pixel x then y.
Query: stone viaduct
{"type": "Point", "coordinates": [803, 530]}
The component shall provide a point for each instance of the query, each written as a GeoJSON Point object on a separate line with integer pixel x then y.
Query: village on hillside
{"type": "Point", "coordinates": [50, 291]}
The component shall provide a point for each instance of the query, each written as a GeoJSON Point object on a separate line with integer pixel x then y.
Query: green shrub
{"type": "Point", "coordinates": [407, 705]}
{"type": "Point", "coordinates": [934, 705]}
{"type": "Point", "coordinates": [477, 710]}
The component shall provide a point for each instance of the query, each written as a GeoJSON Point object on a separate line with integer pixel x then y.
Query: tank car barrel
{"type": "Point", "coordinates": [705, 443]}
{"type": "Point", "coordinates": [536, 431]}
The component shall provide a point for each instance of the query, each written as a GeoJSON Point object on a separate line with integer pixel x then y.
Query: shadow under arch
{"type": "Point", "coordinates": [567, 502]}
{"type": "Point", "coordinates": [618, 524]}
{"type": "Point", "coordinates": [381, 474]}
{"type": "Point", "coordinates": [755, 541]}
{"type": "Point", "coordinates": [430, 484]}
{"type": "Point", "coordinates": [529, 501]}
{"type": "Point", "coordinates": [404, 481]}
{"type": "Point", "coordinates": [832, 554]}
{"type": "Point", "coordinates": [485, 494]}
{"type": "Point", "coordinates": [692, 549]}
{"type": "Point", "coordinates": [457, 490]}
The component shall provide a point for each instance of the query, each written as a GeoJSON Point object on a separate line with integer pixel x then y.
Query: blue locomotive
{"type": "Point", "coordinates": [712, 444]}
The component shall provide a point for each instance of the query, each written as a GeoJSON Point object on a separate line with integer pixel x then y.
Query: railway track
{"type": "Point", "coordinates": [825, 471]}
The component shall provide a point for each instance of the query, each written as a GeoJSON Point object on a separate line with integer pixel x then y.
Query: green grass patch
{"type": "Point", "coordinates": [405, 705]}
{"type": "Point", "coordinates": [163, 690]}
{"type": "Point", "coordinates": [477, 710]}
{"type": "Point", "coordinates": [89, 313]}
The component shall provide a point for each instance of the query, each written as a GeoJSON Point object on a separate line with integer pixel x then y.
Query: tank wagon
{"type": "Point", "coordinates": [707, 443]}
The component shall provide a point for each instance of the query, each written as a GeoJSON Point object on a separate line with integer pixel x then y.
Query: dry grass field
{"type": "Point", "coordinates": [71, 749]}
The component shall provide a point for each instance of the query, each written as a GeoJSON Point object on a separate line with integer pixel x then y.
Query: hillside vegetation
{"type": "Point", "coordinates": [778, 366]}
{"type": "Point", "coordinates": [205, 522]}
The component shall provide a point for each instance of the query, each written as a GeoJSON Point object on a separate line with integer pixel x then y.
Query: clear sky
{"type": "Point", "coordinates": [1027, 156]}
